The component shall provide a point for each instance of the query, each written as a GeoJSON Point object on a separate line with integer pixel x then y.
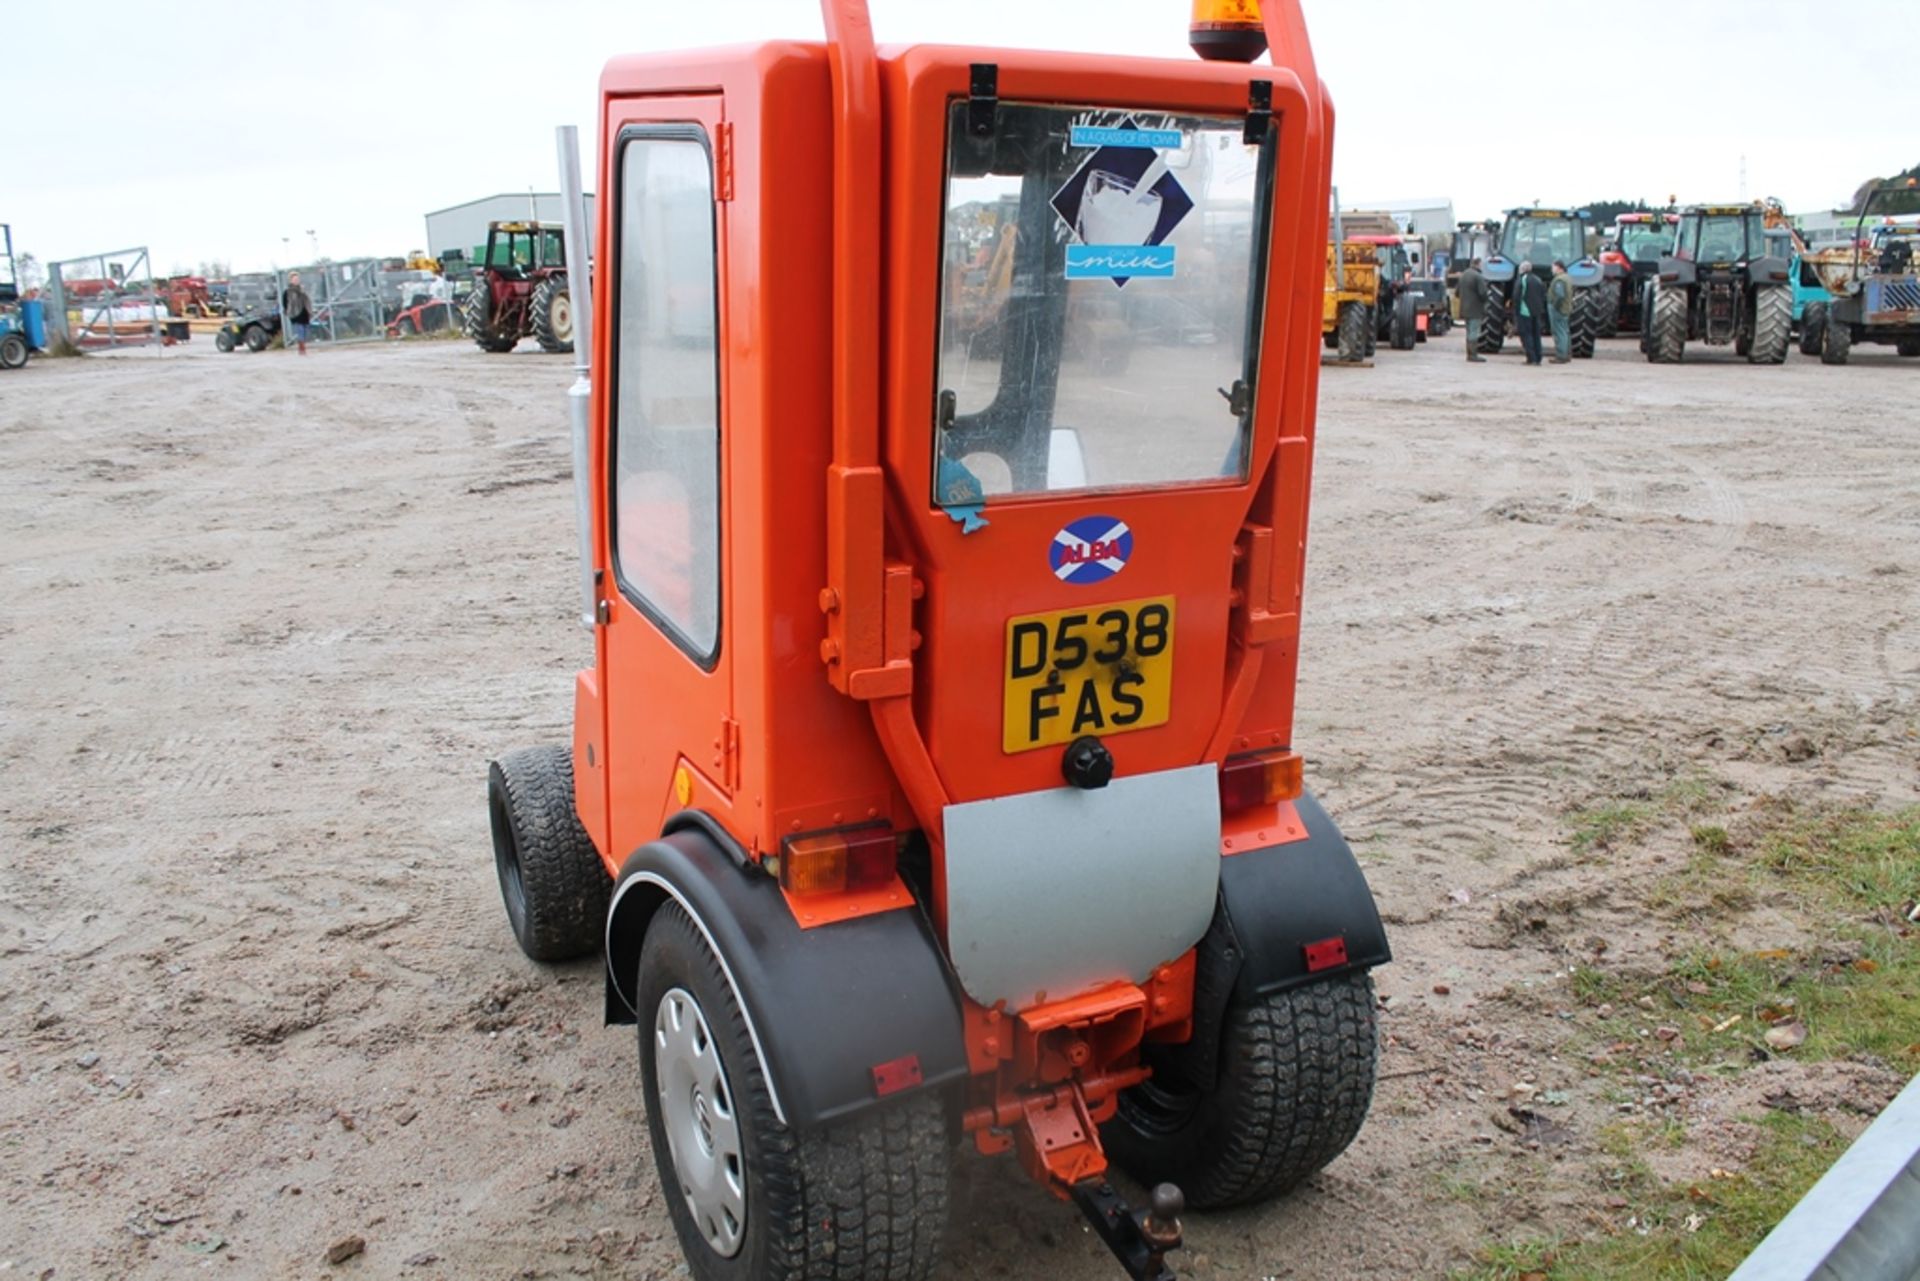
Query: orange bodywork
{"type": "Point", "coordinates": [858, 677]}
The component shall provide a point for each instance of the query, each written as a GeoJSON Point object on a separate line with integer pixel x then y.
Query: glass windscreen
{"type": "Point", "coordinates": [1645, 241]}
{"type": "Point", "coordinates": [1097, 269]}
{"type": "Point", "coordinates": [1541, 242]}
{"type": "Point", "coordinates": [1723, 237]}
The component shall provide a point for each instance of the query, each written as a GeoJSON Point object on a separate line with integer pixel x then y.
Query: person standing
{"type": "Point", "coordinates": [1529, 309]}
{"type": "Point", "coordinates": [1473, 308]}
{"type": "Point", "coordinates": [1560, 313]}
{"type": "Point", "coordinates": [296, 310]}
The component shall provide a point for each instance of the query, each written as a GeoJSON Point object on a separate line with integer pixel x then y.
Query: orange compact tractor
{"type": "Point", "coordinates": [935, 777]}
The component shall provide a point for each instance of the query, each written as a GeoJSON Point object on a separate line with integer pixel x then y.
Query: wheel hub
{"type": "Point", "coordinates": [702, 1127]}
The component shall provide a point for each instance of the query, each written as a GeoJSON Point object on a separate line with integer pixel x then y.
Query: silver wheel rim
{"type": "Point", "coordinates": [560, 315]}
{"type": "Point", "coordinates": [703, 1127]}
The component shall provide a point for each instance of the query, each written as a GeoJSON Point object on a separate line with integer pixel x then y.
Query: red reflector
{"type": "Point", "coordinates": [896, 1075]}
{"type": "Point", "coordinates": [1326, 954]}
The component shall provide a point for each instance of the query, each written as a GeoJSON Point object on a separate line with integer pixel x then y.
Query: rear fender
{"type": "Point", "coordinates": [1683, 272]}
{"type": "Point", "coordinates": [824, 1007]}
{"type": "Point", "coordinates": [1274, 905]}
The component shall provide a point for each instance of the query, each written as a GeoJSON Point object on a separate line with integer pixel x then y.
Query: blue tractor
{"type": "Point", "coordinates": [22, 328]}
{"type": "Point", "coordinates": [1533, 240]}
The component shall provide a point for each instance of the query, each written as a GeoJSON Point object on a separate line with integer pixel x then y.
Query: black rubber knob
{"type": "Point", "coordinates": [1088, 763]}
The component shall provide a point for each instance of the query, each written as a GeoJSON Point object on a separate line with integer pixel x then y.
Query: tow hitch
{"type": "Point", "coordinates": [1140, 1239]}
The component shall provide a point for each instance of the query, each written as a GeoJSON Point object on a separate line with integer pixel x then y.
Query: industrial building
{"type": "Point", "coordinates": [464, 226]}
{"type": "Point", "coordinates": [1426, 216]}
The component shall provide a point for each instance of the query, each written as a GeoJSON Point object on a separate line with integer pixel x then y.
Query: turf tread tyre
{"type": "Point", "coordinates": [473, 318]}
{"type": "Point", "coordinates": [553, 333]}
{"type": "Point", "coordinates": [1836, 341]}
{"type": "Point", "coordinates": [1493, 327]}
{"type": "Point", "coordinates": [1772, 326]}
{"type": "Point", "coordinates": [1352, 331]}
{"type": "Point", "coordinates": [558, 909]}
{"type": "Point", "coordinates": [1296, 1077]}
{"type": "Point", "coordinates": [1666, 342]}
{"type": "Point", "coordinates": [864, 1199]}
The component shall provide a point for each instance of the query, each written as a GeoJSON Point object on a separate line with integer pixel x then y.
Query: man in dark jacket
{"type": "Point", "coordinates": [296, 309]}
{"type": "Point", "coordinates": [1529, 310]}
{"type": "Point", "coordinates": [1473, 308]}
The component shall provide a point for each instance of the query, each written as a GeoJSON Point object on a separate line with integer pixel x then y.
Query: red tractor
{"type": "Point", "coordinates": [520, 289]}
{"type": "Point", "coordinates": [1629, 261]}
{"type": "Point", "coordinates": [935, 777]}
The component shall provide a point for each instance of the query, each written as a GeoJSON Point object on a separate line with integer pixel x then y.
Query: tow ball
{"type": "Point", "coordinates": [1140, 1239]}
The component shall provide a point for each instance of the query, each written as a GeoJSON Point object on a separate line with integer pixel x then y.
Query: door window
{"type": "Point", "coordinates": [666, 390]}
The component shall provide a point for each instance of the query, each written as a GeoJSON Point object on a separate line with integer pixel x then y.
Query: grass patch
{"type": "Point", "coordinates": [1850, 879]}
{"type": "Point", "coordinates": [1853, 878]}
{"type": "Point", "coordinates": [1623, 820]}
{"type": "Point", "coordinates": [1690, 1230]}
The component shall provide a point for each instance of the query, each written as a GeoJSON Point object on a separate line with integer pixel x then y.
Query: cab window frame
{"type": "Point", "coordinates": [679, 133]}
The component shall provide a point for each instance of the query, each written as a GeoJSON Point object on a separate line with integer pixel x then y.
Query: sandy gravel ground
{"type": "Point", "coordinates": [266, 619]}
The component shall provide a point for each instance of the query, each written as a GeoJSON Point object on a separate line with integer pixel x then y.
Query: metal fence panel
{"type": "Point", "coordinates": [105, 302]}
{"type": "Point", "coordinates": [346, 300]}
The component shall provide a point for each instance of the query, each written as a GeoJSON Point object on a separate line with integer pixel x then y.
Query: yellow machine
{"type": "Point", "coordinates": [1353, 288]}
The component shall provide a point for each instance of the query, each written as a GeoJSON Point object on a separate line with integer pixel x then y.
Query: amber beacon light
{"type": "Point", "coordinates": [1227, 30]}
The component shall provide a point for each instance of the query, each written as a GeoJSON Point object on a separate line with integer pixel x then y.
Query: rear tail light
{"type": "Point", "coordinates": [838, 862]}
{"type": "Point", "coordinates": [1250, 781]}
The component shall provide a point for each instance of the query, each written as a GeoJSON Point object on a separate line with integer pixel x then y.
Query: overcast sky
{"type": "Point", "coordinates": [215, 130]}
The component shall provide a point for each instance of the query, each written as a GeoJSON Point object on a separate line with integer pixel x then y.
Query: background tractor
{"type": "Point", "coordinates": [1874, 287]}
{"type": "Point", "coordinates": [1470, 240]}
{"type": "Point", "coordinates": [520, 289]}
{"type": "Point", "coordinates": [1720, 284]}
{"type": "Point", "coordinates": [1533, 240]}
{"type": "Point", "coordinates": [1396, 307]}
{"type": "Point", "coordinates": [22, 327]}
{"type": "Point", "coordinates": [1352, 289]}
{"type": "Point", "coordinates": [1629, 259]}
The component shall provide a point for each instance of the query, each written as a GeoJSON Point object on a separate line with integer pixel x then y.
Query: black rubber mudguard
{"type": "Point", "coordinates": [825, 1007]}
{"type": "Point", "coordinates": [1275, 904]}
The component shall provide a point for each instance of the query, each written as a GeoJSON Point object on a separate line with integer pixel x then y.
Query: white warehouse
{"type": "Point", "coordinates": [1426, 216]}
{"type": "Point", "coordinates": [464, 226]}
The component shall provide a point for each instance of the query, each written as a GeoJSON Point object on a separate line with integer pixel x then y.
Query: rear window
{"type": "Point", "coordinates": [1096, 321]}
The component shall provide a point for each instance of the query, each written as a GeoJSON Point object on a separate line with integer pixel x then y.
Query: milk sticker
{"type": "Point", "coordinates": [1122, 203]}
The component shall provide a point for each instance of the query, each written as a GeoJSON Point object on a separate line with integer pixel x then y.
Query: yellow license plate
{"type": "Point", "coordinates": [1102, 669]}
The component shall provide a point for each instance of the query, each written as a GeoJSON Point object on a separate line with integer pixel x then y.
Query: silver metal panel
{"type": "Point", "coordinates": [1861, 1221]}
{"type": "Point", "coordinates": [1064, 890]}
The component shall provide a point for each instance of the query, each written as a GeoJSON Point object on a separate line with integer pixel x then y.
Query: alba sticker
{"type": "Point", "coordinates": [1091, 549]}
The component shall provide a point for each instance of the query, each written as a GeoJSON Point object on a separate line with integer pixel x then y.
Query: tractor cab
{"type": "Point", "coordinates": [1717, 238]}
{"type": "Point", "coordinates": [944, 476]}
{"type": "Point", "coordinates": [1645, 237]}
{"type": "Point", "coordinates": [1532, 240]}
{"type": "Point", "coordinates": [517, 249]}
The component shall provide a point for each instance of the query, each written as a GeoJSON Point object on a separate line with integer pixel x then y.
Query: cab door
{"type": "Point", "coordinates": [667, 663]}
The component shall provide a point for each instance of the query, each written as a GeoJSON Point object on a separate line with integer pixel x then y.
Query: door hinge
{"type": "Point", "coordinates": [729, 761]}
{"type": "Point", "coordinates": [1259, 111]}
{"type": "Point", "coordinates": [983, 94]}
{"type": "Point", "coordinates": [724, 161]}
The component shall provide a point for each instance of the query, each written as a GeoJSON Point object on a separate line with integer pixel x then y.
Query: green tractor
{"type": "Point", "coordinates": [1721, 283]}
